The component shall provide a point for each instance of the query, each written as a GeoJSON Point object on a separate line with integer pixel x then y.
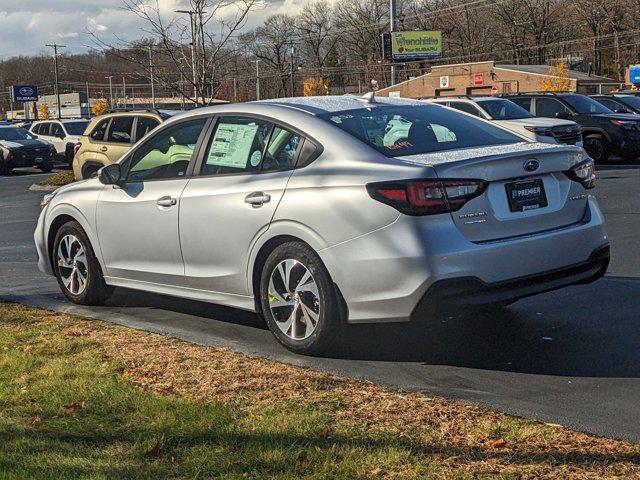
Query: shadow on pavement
{"type": "Point", "coordinates": [570, 332]}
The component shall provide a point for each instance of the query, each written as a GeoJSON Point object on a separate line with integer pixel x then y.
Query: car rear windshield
{"type": "Point", "coordinates": [585, 105]}
{"type": "Point", "coordinates": [12, 133]}
{"type": "Point", "coordinates": [399, 130]}
{"type": "Point", "coordinates": [502, 109]}
{"type": "Point", "coordinates": [77, 127]}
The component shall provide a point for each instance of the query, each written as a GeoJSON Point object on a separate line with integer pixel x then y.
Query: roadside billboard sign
{"type": "Point", "coordinates": [24, 93]}
{"type": "Point", "coordinates": [416, 45]}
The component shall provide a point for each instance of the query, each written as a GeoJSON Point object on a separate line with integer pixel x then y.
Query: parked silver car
{"type": "Point", "coordinates": [304, 211]}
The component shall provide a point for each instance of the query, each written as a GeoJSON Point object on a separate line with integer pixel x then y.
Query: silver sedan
{"type": "Point", "coordinates": [318, 212]}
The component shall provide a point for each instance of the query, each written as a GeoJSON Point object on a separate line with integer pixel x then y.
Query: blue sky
{"type": "Point", "coordinates": [27, 25]}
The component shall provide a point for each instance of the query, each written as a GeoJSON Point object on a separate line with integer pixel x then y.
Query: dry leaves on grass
{"type": "Point", "coordinates": [458, 434]}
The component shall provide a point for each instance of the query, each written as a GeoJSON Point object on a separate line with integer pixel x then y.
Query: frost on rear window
{"type": "Point", "coordinates": [399, 130]}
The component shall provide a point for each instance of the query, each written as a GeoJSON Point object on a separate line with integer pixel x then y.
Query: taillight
{"type": "Point", "coordinates": [584, 173]}
{"type": "Point", "coordinates": [76, 147]}
{"type": "Point", "coordinates": [426, 197]}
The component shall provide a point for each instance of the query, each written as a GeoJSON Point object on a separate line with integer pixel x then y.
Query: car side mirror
{"type": "Point", "coordinates": [564, 115]}
{"type": "Point", "coordinates": [110, 174]}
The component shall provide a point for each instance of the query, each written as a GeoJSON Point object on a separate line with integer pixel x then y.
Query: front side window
{"type": "Point", "coordinates": [524, 102]}
{"type": "Point", "coordinates": [43, 129]}
{"type": "Point", "coordinates": [120, 130]}
{"type": "Point", "coordinates": [550, 107]}
{"type": "Point", "coordinates": [237, 146]}
{"type": "Point", "coordinates": [166, 154]}
{"type": "Point", "coordinates": [630, 101]}
{"type": "Point", "coordinates": [415, 129]}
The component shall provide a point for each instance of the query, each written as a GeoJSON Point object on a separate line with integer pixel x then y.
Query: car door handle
{"type": "Point", "coordinates": [257, 199]}
{"type": "Point", "coordinates": [166, 201]}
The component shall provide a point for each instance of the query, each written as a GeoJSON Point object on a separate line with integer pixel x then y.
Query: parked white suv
{"type": "Point", "coordinates": [62, 134]}
{"type": "Point", "coordinates": [515, 118]}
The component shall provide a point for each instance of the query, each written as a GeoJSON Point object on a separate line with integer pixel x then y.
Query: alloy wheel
{"type": "Point", "coordinates": [594, 148]}
{"type": "Point", "coordinates": [293, 299]}
{"type": "Point", "coordinates": [72, 264]}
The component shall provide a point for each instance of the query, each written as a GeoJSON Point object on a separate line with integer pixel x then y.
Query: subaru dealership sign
{"type": "Point", "coordinates": [24, 93]}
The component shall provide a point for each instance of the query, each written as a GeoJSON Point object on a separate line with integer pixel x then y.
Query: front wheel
{"type": "Point", "coordinates": [46, 168]}
{"type": "Point", "coordinates": [76, 267]}
{"type": "Point", "coordinates": [597, 147]}
{"type": "Point", "coordinates": [299, 300]}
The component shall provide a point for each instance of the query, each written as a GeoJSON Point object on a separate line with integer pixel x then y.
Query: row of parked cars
{"type": "Point", "coordinates": [605, 125]}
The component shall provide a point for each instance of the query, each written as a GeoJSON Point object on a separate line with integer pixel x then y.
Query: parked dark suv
{"type": "Point", "coordinates": [619, 102]}
{"type": "Point", "coordinates": [604, 132]}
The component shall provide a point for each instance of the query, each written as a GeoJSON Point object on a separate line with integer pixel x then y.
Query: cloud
{"type": "Point", "coordinates": [27, 25]}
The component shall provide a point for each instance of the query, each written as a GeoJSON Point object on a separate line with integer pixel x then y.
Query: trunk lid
{"type": "Point", "coordinates": [489, 216]}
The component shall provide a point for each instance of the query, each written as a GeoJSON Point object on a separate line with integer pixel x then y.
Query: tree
{"type": "Point", "coordinates": [44, 113]}
{"type": "Point", "coordinates": [315, 86]}
{"type": "Point", "coordinates": [100, 107]}
{"type": "Point", "coordinates": [558, 80]}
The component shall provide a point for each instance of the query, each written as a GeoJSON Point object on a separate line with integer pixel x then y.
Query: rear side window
{"type": "Point", "coordinates": [56, 130]}
{"type": "Point", "coordinates": [43, 129]}
{"type": "Point", "coordinates": [120, 130]}
{"type": "Point", "coordinates": [399, 130]}
{"type": "Point", "coordinates": [282, 149]}
{"type": "Point", "coordinates": [549, 107]}
{"type": "Point", "coordinates": [237, 146]}
{"type": "Point", "coordinates": [99, 130]}
{"type": "Point", "coordinates": [144, 126]}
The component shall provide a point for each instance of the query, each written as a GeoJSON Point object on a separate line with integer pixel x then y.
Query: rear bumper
{"type": "Point", "coordinates": [384, 275]}
{"type": "Point", "coordinates": [473, 291]}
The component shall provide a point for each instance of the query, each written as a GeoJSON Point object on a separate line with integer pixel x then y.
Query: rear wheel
{"type": "Point", "coordinates": [299, 300]}
{"type": "Point", "coordinates": [46, 168]}
{"type": "Point", "coordinates": [597, 147]}
{"type": "Point", "coordinates": [76, 267]}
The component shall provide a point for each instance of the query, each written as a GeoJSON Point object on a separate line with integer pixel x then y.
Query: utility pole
{"type": "Point", "coordinates": [55, 47]}
{"type": "Point", "coordinates": [392, 27]}
{"type": "Point", "coordinates": [11, 102]}
{"type": "Point", "coordinates": [193, 52]}
{"type": "Point", "coordinates": [204, 54]}
{"type": "Point", "coordinates": [110, 77]}
{"type": "Point", "coordinates": [153, 91]}
{"type": "Point", "coordinates": [258, 79]}
{"type": "Point", "coordinates": [235, 90]}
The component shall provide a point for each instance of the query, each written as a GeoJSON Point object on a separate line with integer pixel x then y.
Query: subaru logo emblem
{"type": "Point", "coordinates": [531, 165]}
{"type": "Point", "coordinates": [26, 91]}
{"type": "Point", "coordinates": [569, 130]}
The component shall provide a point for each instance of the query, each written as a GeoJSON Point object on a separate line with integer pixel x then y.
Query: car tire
{"type": "Point", "coordinates": [305, 315]}
{"type": "Point", "coordinates": [68, 155]}
{"type": "Point", "coordinates": [597, 147]}
{"type": "Point", "coordinates": [5, 169]}
{"type": "Point", "coordinates": [46, 168]}
{"type": "Point", "coordinates": [76, 267]}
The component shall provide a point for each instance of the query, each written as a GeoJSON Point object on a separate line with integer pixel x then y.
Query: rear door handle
{"type": "Point", "coordinates": [166, 201]}
{"type": "Point", "coordinates": [257, 199]}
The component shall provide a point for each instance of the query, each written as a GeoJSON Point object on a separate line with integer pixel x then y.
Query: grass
{"type": "Point", "coordinates": [84, 399]}
{"type": "Point", "coordinates": [58, 179]}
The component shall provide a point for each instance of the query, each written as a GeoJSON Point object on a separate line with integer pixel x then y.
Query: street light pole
{"type": "Point", "coordinates": [258, 79]}
{"type": "Point", "coordinates": [293, 85]}
{"type": "Point", "coordinates": [110, 77]}
{"type": "Point", "coordinates": [55, 47]}
{"type": "Point", "coordinates": [193, 52]}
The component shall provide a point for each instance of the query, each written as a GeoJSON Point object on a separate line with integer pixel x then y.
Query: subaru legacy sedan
{"type": "Point", "coordinates": [314, 214]}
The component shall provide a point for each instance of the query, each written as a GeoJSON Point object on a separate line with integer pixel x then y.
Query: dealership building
{"type": "Point", "coordinates": [485, 78]}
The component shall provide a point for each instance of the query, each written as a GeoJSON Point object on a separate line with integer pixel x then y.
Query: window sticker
{"type": "Point", "coordinates": [231, 145]}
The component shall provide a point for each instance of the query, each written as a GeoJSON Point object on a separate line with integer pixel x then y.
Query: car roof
{"type": "Point", "coordinates": [329, 104]}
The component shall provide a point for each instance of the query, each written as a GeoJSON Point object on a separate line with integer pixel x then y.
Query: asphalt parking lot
{"type": "Point", "coordinates": [570, 357]}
